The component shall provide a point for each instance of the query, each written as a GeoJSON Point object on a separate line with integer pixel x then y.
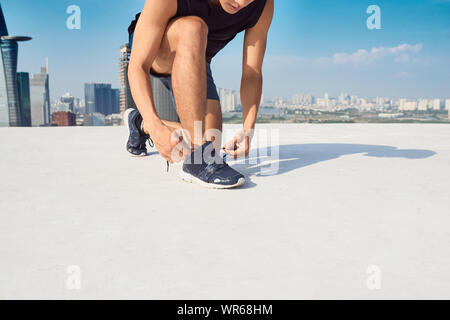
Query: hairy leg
{"type": "Point", "coordinates": [189, 77]}
{"type": "Point", "coordinates": [213, 121]}
{"type": "Point", "coordinates": [182, 55]}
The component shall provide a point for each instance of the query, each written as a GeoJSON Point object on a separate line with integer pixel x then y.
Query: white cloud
{"type": "Point", "coordinates": [401, 53]}
{"type": "Point", "coordinates": [359, 57]}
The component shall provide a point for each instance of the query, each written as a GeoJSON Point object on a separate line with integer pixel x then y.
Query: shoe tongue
{"type": "Point", "coordinates": [205, 153]}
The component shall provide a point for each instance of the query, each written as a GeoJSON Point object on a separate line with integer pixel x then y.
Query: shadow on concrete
{"type": "Point", "coordinates": [297, 156]}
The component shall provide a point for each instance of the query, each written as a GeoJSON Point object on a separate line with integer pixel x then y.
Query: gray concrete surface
{"type": "Point", "coordinates": [345, 197]}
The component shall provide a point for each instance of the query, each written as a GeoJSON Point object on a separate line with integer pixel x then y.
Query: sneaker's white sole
{"type": "Point", "coordinates": [125, 119]}
{"type": "Point", "coordinates": [191, 179]}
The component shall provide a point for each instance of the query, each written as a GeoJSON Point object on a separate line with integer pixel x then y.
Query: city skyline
{"type": "Point", "coordinates": [10, 93]}
{"type": "Point", "coordinates": [314, 46]}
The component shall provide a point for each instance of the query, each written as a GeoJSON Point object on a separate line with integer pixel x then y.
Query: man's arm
{"type": "Point", "coordinates": [146, 43]}
{"type": "Point", "coordinates": [254, 50]}
{"type": "Point", "coordinates": [251, 83]}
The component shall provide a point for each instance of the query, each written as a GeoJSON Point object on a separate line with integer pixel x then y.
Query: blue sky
{"type": "Point", "coordinates": [315, 46]}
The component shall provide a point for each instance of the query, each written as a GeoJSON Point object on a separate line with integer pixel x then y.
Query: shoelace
{"type": "Point", "coordinates": [150, 142]}
{"type": "Point", "coordinates": [215, 165]}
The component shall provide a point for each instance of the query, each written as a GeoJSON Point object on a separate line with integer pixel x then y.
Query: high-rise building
{"type": "Point", "coordinates": [229, 99]}
{"type": "Point", "coordinates": [406, 105]}
{"type": "Point", "coordinates": [89, 97]}
{"type": "Point", "coordinates": [423, 105]}
{"type": "Point", "coordinates": [302, 100]}
{"type": "Point", "coordinates": [447, 104]}
{"type": "Point", "coordinates": [436, 104]}
{"type": "Point", "coordinates": [163, 99]}
{"type": "Point", "coordinates": [101, 98]}
{"type": "Point", "coordinates": [9, 94]}
{"type": "Point", "coordinates": [23, 86]}
{"type": "Point", "coordinates": [40, 98]}
{"type": "Point", "coordinates": [344, 99]}
{"type": "Point", "coordinates": [82, 106]}
{"type": "Point", "coordinates": [115, 101]}
{"type": "Point", "coordinates": [126, 100]}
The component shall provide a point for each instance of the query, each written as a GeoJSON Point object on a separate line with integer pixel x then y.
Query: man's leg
{"type": "Point", "coordinates": [184, 44]}
{"type": "Point", "coordinates": [213, 123]}
{"type": "Point", "coordinates": [213, 118]}
{"type": "Point", "coordinates": [189, 78]}
{"type": "Point", "coordinates": [182, 54]}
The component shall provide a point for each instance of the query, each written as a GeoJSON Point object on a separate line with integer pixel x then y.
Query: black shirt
{"type": "Point", "coordinates": [223, 27]}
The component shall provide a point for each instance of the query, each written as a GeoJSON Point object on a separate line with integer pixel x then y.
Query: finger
{"type": "Point", "coordinates": [238, 153]}
{"type": "Point", "coordinates": [229, 145]}
{"type": "Point", "coordinates": [228, 151]}
{"type": "Point", "coordinates": [232, 143]}
{"type": "Point", "coordinates": [164, 154]}
{"type": "Point", "coordinates": [168, 158]}
{"type": "Point", "coordinates": [175, 139]}
{"type": "Point", "coordinates": [235, 141]}
{"type": "Point", "coordinates": [234, 154]}
{"type": "Point", "coordinates": [233, 147]}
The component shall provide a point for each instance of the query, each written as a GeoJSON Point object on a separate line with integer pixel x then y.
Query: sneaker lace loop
{"type": "Point", "coordinates": [150, 142]}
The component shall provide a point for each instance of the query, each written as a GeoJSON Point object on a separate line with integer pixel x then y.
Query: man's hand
{"type": "Point", "coordinates": [240, 145]}
{"type": "Point", "coordinates": [164, 139]}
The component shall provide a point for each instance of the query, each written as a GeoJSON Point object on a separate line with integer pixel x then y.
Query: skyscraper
{"type": "Point", "coordinates": [423, 105]}
{"type": "Point", "coordinates": [115, 101]}
{"type": "Point", "coordinates": [101, 98]}
{"type": "Point", "coordinates": [326, 99]}
{"type": "Point", "coordinates": [229, 99]}
{"type": "Point", "coordinates": [164, 102]}
{"type": "Point", "coordinates": [23, 86]}
{"type": "Point", "coordinates": [9, 96]}
{"type": "Point", "coordinates": [40, 98]}
{"type": "Point", "coordinates": [436, 104]}
{"type": "Point", "coordinates": [126, 100]}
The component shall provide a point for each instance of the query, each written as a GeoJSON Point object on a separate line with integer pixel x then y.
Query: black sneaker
{"type": "Point", "coordinates": [204, 168]}
{"type": "Point", "coordinates": [136, 144]}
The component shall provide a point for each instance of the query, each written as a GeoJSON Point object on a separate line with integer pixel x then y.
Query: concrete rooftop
{"type": "Point", "coordinates": [345, 198]}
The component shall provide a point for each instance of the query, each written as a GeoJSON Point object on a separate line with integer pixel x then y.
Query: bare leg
{"type": "Point", "coordinates": [189, 78]}
{"type": "Point", "coordinates": [182, 54]}
{"type": "Point", "coordinates": [213, 121]}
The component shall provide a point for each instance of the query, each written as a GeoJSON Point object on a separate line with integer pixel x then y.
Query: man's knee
{"type": "Point", "coordinates": [192, 32]}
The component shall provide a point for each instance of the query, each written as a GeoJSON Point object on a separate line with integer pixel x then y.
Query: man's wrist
{"type": "Point", "coordinates": [249, 118]}
{"type": "Point", "coordinates": [248, 125]}
{"type": "Point", "coordinates": [151, 119]}
{"type": "Point", "coordinates": [151, 123]}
